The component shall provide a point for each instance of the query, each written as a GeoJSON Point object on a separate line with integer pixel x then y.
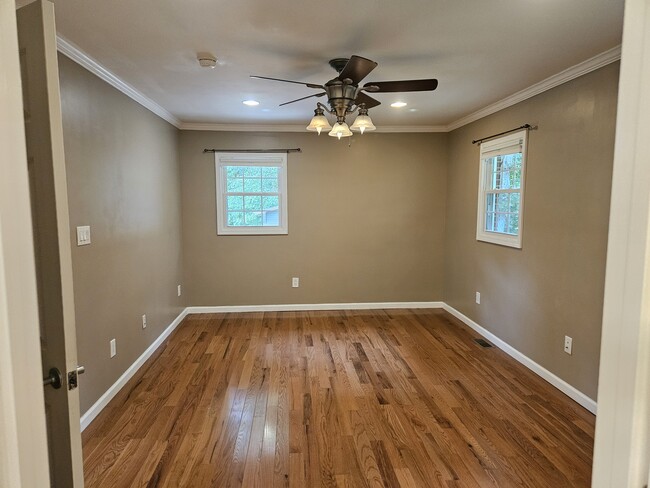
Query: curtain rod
{"type": "Point", "coordinates": [253, 150]}
{"type": "Point", "coordinates": [525, 126]}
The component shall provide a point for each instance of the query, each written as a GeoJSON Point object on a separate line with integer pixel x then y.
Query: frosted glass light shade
{"type": "Point", "coordinates": [340, 130]}
{"type": "Point", "coordinates": [318, 123]}
{"type": "Point", "coordinates": [363, 123]}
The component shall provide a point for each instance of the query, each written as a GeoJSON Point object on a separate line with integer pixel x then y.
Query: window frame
{"type": "Point", "coordinates": [223, 159]}
{"type": "Point", "coordinates": [500, 238]}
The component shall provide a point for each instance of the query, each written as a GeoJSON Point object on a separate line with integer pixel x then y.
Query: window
{"type": "Point", "coordinates": [251, 193]}
{"type": "Point", "coordinates": [501, 190]}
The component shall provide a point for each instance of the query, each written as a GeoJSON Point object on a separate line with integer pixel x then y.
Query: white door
{"type": "Point", "coordinates": [622, 443]}
{"type": "Point", "coordinates": [23, 447]}
{"type": "Point", "coordinates": [47, 181]}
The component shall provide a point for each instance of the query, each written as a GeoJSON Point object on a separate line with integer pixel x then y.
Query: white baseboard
{"type": "Point", "coordinates": [313, 306]}
{"type": "Point", "coordinates": [554, 380]}
{"type": "Point", "coordinates": [100, 404]}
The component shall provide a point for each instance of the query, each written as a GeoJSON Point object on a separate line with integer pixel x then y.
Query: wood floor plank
{"type": "Point", "coordinates": [368, 398]}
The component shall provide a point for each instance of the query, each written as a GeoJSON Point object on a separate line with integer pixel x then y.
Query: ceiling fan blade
{"type": "Point", "coordinates": [368, 101]}
{"type": "Point", "coordinates": [403, 86]}
{"type": "Point", "coordinates": [303, 98]}
{"type": "Point", "coordinates": [310, 85]}
{"type": "Point", "coordinates": [357, 68]}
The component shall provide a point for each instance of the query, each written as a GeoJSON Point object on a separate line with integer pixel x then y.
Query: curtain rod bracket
{"type": "Point", "coordinates": [525, 126]}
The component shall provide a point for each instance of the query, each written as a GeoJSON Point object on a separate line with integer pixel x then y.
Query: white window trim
{"type": "Point", "coordinates": [257, 159]}
{"type": "Point", "coordinates": [498, 237]}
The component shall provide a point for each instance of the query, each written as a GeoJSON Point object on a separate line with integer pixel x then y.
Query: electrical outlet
{"type": "Point", "coordinates": [478, 298]}
{"type": "Point", "coordinates": [295, 282]}
{"type": "Point", "coordinates": [144, 321]}
{"type": "Point", "coordinates": [113, 348]}
{"type": "Point", "coordinates": [178, 289]}
{"type": "Point", "coordinates": [568, 344]}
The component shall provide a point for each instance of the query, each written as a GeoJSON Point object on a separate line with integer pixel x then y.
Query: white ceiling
{"type": "Point", "coordinates": [480, 51]}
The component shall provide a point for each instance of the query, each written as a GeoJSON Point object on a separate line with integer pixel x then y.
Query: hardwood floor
{"type": "Point", "coordinates": [381, 398]}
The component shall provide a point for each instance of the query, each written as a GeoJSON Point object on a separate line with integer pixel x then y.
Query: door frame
{"type": "Point", "coordinates": [621, 450]}
{"type": "Point", "coordinates": [23, 439]}
{"type": "Point", "coordinates": [622, 430]}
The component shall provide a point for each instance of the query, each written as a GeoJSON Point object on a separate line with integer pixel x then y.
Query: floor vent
{"type": "Point", "coordinates": [483, 343]}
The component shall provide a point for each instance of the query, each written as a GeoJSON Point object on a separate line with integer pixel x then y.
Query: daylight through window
{"type": "Point", "coordinates": [501, 190]}
{"type": "Point", "coordinates": [251, 193]}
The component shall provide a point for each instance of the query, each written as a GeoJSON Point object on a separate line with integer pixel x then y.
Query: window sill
{"type": "Point", "coordinates": [500, 239]}
{"type": "Point", "coordinates": [253, 231]}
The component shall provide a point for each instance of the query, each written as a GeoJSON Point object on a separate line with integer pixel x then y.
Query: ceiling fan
{"type": "Point", "coordinates": [345, 95]}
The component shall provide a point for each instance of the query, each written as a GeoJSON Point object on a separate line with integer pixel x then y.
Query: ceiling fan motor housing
{"type": "Point", "coordinates": [341, 96]}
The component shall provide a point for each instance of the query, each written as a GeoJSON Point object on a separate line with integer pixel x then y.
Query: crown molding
{"type": "Point", "coordinates": [580, 69]}
{"type": "Point", "coordinates": [412, 128]}
{"type": "Point", "coordinates": [241, 127]}
{"type": "Point", "coordinates": [297, 128]}
{"type": "Point", "coordinates": [77, 55]}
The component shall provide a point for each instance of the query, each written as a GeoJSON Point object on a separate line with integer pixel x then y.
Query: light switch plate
{"type": "Point", "coordinates": [83, 235]}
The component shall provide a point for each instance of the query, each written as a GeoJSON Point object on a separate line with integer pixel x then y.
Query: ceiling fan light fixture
{"type": "Point", "coordinates": [362, 123]}
{"type": "Point", "coordinates": [340, 130]}
{"type": "Point", "coordinates": [319, 121]}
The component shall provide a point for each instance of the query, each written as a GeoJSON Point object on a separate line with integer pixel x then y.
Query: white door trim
{"type": "Point", "coordinates": [623, 423]}
{"type": "Point", "coordinates": [23, 439]}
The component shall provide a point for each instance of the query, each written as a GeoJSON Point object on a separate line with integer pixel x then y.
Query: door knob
{"type": "Point", "coordinates": [54, 379]}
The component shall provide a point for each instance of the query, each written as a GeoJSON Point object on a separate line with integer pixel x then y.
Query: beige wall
{"type": "Point", "coordinates": [531, 298]}
{"type": "Point", "coordinates": [123, 181]}
{"type": "Point", "coordinates": [366, 222]}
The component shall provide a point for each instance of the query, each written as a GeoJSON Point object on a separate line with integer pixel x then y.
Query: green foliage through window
{"type": "Point", "coordinates": [502, 163]}
{"type": "Point", "coordinates": [252, 195]}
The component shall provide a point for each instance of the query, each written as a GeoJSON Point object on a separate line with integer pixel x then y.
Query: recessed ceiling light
{"type": "Point", "coordinates": [413, 109]}
{"type": "Point", "coordinates": [398, 104]}
{"type": "Point", "coordinates": [251, 103]}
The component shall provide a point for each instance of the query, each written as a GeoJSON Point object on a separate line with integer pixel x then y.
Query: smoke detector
{"type": "Point", "coordinates": [207, 60]}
